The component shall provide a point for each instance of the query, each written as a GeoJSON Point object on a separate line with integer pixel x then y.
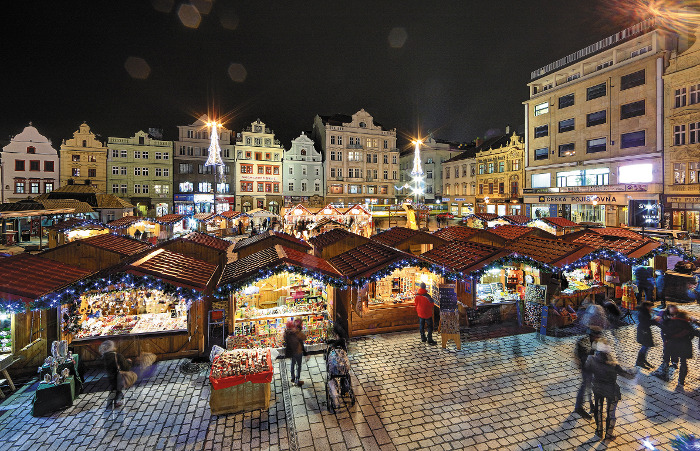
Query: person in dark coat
{"type": "Point", "coordinates": [645, 282]}
{"type": "Point", "coordinates": [584, 349]}
{"type": "Point", "coordinates": [114, 362]}
{"type": "Point", "coordinates": [644, 336]}
{"type": "Point", "coordinates": [660, 283]}
{"type": "Point", "coordinates": [605, 370]}
{"type": "Point", "coordinates": [679, 337]}
{"type": "Point", "coordinates": [666, 316]}
{"type": "Point", "coordinates": [294, 348]}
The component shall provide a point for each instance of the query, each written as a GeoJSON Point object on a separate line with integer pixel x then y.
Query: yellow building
{"type": "Point", "coordinates": [84, 160]}
{"type": "Point", "coordinates": [682, 139]}
{"type": "Point", "coordinates": [499, 175]}
{"type": "Point", "coordinates": [594, 130]}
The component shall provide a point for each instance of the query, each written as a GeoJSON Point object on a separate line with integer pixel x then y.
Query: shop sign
{"type": "Point", "coordinates": [260, 178]}
{"type": "Point", "coordinates": [608, 199]}
{"type": "Point", "coordinates": [460, 199]}
{"type": "Point", "coordinates": [183, 197]}
{"type": "Point", "coordinates": [199, 198]}
{"type": "Point", "coordinates": [605, 188]}
{"type": "Point", "coordinates": [445, 199]}
{"type": "Point", "coordinates": [689, 200]}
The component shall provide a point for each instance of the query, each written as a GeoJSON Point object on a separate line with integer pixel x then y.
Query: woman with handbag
{"type": "Point", "coordinates": [118, 371]}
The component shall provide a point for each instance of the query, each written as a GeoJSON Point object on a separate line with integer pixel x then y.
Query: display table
{"type": "Point", "coordinates": [5, 362]}
{"type": "Point", "coordinates": [72, 367]}
{"type": "Point", "coordinates": [239, 393]}
{"type": "Point", "coordinates": [49, 397]}
{"type": "Point", "coordinates": [577, 297]}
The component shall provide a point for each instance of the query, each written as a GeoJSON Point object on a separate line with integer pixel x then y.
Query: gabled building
{"type": "Point", "coordinates": [303, 180]}
{"type": "Point", "coordinates": [29, 166]}
{"type": "Point", "coordinates": [361, 160]}
{"type": "Point", "coordinates": [84, 160]}
{"type": "Point", "coordinates": [499, 175]}
{"type": "Point", "coordinates": [193, 182]}
{"type": "Point", "coordinates": [258, 169]}
{"type": "Point", "coordinates": [140, 171]}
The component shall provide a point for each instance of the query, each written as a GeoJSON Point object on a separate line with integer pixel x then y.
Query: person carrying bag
{"type": "Point", "coordinates": [118, 371]}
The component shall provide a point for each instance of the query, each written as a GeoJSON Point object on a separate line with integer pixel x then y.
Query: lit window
{"type": "Point", "coordinates": [541, 180]}
{"type": "Point", "coordinates": [542, 108]}
{"type": "Point", "coordinates": [636, 173]}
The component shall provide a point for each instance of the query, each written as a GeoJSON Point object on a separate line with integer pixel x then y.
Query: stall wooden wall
{"type": "Point", "coordinates": [83, 256]}
{"type": "Point", "coordinates": [31, 340]}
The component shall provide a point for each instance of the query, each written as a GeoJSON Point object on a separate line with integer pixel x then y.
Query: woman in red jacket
{"type": "Point", "coordinates": [424, 308]}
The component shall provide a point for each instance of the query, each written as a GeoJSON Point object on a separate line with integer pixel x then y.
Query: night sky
{"type": "Point", "coordinates": [458, 68]}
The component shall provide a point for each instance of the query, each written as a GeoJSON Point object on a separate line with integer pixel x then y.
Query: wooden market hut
{"type": "Point", "coordinates": [200, 246]}
{"type": "Point", "coordinates": [268, 239]}
{"type": "Point", "coordinates": [359, 220]}
{"type": "Point", "coordinates": [27, 278]}
{"type": "Point", "coordinates": [73, 229]}
{"type": "Point", "coordinates": [232, 221]}
{"type": "Point", "coordinates": [178, 271]}
{"type": "Point", "coordinates": [415, 242]}
{"type": "Point", "coordinates": [335, 241]}
{"type": "Point", "coordinates": [462, 233]}
{"type": "Point", "coordinates": [517, 219]}
{"type": "Point", "coordinates": [512, 232]}
{"type": "Point", "coordinates": [484, 220]}
{"type": "Point", "coordinates": [98, 252]}
{"type": "Point", "coordinates": [556, 225]}
{"type": "Point", "coordinates": [157, 229]}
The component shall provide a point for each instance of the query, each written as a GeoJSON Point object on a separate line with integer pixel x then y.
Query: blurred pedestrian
{"type": "Point", "coordinates": [606, 392]}
{"type": "Point", "coordinates": [294, 348]}
{"type": "Point", "coordinates": [644, 336]}
{"type": "Point", "coordinates": [664, 322]}
{"type": "Point", "coordinates": [660, 283]}
{"type": "Point", "coordinates": [115, 363]}
{"type": "Point", "coordinates": [584, 349]}
{"type": "Point", "coordinates": [679, 336]}
{"type": "Point", "coordinates": [424, 308]}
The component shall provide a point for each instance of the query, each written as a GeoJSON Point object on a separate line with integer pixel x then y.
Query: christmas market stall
{"type": "Point", "coordinates": [334, 242]}
{"type": "Point", "coordinates": [28, 309]}
{"type": "Point", "coordinates": [556, 225]}
{"type": "Point", "coordinates": [98, 252]}
{"type": "Point", "coordinates": [230, 222]}
{"type": "Point", "coordinates": [408, 240]}
{"type": "Point", "coordinates": [272, 286]}
{"type": "Point", "coordinates": [382, 286]}
{"type": "Point", "coordinates": [483, 220]}
{"type": "Point", "coordinates": [74, 229]}
{"type": "Point", "coordinates": [297, 219]}
{"type": "Point", "coordinates": [150, 229]}
{"type": "Point", "coordinates": [156, 304]}
{"type": "Point", "coordinates": [359, 220]}
{"type": "Point", "coordinates": [266, 240]}
{"type": "Point", "coordinates": [240, 380]}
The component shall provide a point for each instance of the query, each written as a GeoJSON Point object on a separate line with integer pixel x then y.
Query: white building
{"type": "Point", "coordinates": [302, 174]}
{"type": "Point", "coordinates": [29, 166]}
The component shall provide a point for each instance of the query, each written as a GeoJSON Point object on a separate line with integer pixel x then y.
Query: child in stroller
{"type": "Point", "coordinates": [338, 383]}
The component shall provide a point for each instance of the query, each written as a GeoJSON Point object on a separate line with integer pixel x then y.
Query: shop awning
{"type": "Point", "coordinates": [272, 236]}
{"type": "Point", "coordinates": [549, 251]}
{"type": "Point", "coordinates": [396, 236]}
{"type": "Point", "coordinates": [276, 259]}
{"type": "Point", "coordinates": [464, 256]}
{"type": "Point", "coordinates": [27, 277]}
{"type": "Point", "coordinates": [173, 268]}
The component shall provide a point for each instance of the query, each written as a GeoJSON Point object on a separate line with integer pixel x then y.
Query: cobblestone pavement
{"type": "Point", "coordinates": [502, 393]}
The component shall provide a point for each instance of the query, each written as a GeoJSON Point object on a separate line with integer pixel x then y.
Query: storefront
{"type": "Point", "coordinates": [183, 204]}
{"type": "Point", "coordinates": [74, 229]}
{"type": "Point", "coordinates": [682, 213]}
{"type": "Point", "coordinates": [499, 206]}
{"type": "Point", "coordinates": [266, 289]}
{"type": "Point", "coordinates": [459, 206]}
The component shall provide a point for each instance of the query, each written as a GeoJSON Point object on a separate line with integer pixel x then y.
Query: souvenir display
{"type": "Point", "coordinates": [124, 311]}
{"type": "Point", "coordinates": [269, 333]}
{"type": "Point", "coordinates": [240, 362]}
{"type": "Point", "coordinates": [580, 279]}
{"type": "Point", "coordinates": [507, 284]}
{"type": "Point", "coordinates": [400, 287]}
{"type": "Point", "coordinates": [5, 334]}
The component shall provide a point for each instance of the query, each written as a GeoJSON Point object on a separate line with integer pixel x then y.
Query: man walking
{"type": "Point", "coordinates": [424, 308]}
{"type": "Point", "coordinates": [584, 349]}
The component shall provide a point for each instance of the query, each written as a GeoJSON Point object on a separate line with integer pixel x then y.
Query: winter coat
{"type": "Point", "coordinates": [644, 336]}
{"type": "Point", "coordinates": [679, 337]}
{"type": "Point", "coordinates": [584, 349]}
{"type": "Point", "coordinates": [424, 304]}
{"type": "Point", "coordinates": [294, 342]}
{"type": "Point", "coordinates": [605, 376]}
{"type": "Point", "coordinates": [110, 362]}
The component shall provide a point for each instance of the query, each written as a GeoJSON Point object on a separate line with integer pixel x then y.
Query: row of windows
{"type": "Point", "coordinates": [357, 156]}
{"type": "Point", "coordinates": [259, 156]}
{"type": "Point", "coordinates": [204, 187]}
{"type": "Point", "coordinates": [188, 168]}
{"type": "Point", "coordinates": [687, 96]}
{"type": "Point", "coordinates": [465, 189]}
{"type": "Point", "coordinates": [34, 165]}
{"type": "Point", "coordinates": [140, 188]}
{"type": "Point", "coordinates": [159, 172]}
{"type": "Point", "coordinates": [491, 167]}
{"type": "Point", "coordinates": [357, 173]}
{"type": "Point", "coordinates": [634, 173]}
{"type": "Point", "coordinates": [90, 158]}
{"type": "Point", "coordinates": [357, 141]}
{"type": "Point", "coordinates": [627, 140]}
{"type": "Point", "coordinates": [197, 151]}
{"type": "Point", "coordinates": [203, 135]}
{"type": "Point", "coordinates": [501, 187]}
{"type": "Point", "coordinates": [628, 110]}
{"type": "Point", "coordinates": [140, 154]}
{"type": "Point", "coordinates": [304, 170]}
{"type": "Point", "coordinates": [684, 173]}
{"type": "Point", "coordinates": [448, 170]}
{"type": "Point", "coordinates": [303, 187]}
{"type": "Point", "coordinates": [257, 141]}
{"type": "Point", "coordinates": [91, 172]}
{"type": "Point", "coordinates": [21, 187]}
{"type": "Point", "coordinates": [262, 187]}
{"type": "Point", "coordinates": [262, 169]}
{"type": "Point", "coordinates": [357, 189]}
{"type": "Point", "coordinates": [693, 134]}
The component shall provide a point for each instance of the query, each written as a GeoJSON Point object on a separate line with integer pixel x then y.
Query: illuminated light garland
{"type": "Point", "coordinates": [83, 223]}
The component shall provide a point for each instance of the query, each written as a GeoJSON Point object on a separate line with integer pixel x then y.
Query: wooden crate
{"type": "Point", "coordinates": [240, 398]}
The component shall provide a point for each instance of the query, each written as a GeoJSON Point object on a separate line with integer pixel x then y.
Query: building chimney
{"type": "Point", "coordinates": [507, 129]}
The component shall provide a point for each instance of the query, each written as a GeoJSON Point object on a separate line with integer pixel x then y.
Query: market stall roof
{"type": "Point", "coordinates": [88, 194]}
{"type": "Point", "coordinates": [484, 216]}
{"type": "Point", "coordinates": [396, 236]}
{"type": "Point", "coordinates": [203, 216]}
{"type": "Point", "coordinates": [176, 269]}
{"type": "Point", "coordinates": [76, 223]}
{"type": "Point", "coordinates": [327, 222]}
{"type": "Point", "coordinates": [111, 201]}
{"type": "Point", "coordinates": [28, 277]}
{"type": "Point", "coordinates": [260, 213]}
{"type": "Point", "coordinates": [230, 214]}
{"type": "Point", "coordinates": [168, 219]}
{"type": "Point", "coordinates": [206, 240]}
{"type": "Point", "coordinates": [299, 210]}
{"type": "Point", "coordinates": [26, 208]}
{"type": "Point", "coordinates": [270, 235]}
{"type": "Point", "coordinates": [596, 241]}
{"type": "Point", "coordinates": [118, 244]}
{"type": "Point", "coordinates": [328, 210]}
{"type": "Point", "coordinates": [511, 232]}
{"type": "Point", "coordinates": [357, 210]}
{"type": "Point", "coordinates": [648, 246]}
{"type": "Point", "coordinates": [559, 223]}
{"type": "Point", "coordinates": [617, 232]}
{"type": "Point", "coordinates": [456, 233]}
{"type": "Point", "coordinates": [549, 251]}
{"type": "Point", "coordinates": [277, 257]}
{"type": "Point", "coordinates": [333, 236]}
{"type": "Point", "coordinates": [464, 256]}
{"type": "Point", "coordinates": [123, 222]}
{"type": "Point", "coordinates": [517, 219]}
{"type": "Point", "coordinates": [367, 259]}
{"type": "Point", "coordinates": [78, 206]}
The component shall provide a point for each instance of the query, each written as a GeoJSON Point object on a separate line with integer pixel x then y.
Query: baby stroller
{"type": "Point", "coordinates": [338, 385]}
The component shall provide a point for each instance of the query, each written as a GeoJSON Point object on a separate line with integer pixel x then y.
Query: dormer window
{"type": "Point", "coordinates": [303, 151]}
{"type": "Point", "coordinates": [31, 149]}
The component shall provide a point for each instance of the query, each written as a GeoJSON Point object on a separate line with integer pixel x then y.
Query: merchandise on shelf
{"type": "Point", "coordinates": [270, 332]}
{"type": "Point", "coordinates": [240, 362]}
{"type": "Point", "coordinates": [250, 312]}
{"type": "Point", "coordinates": [5, 334]}
{"type": "Point", "coordinates": [401, 286]}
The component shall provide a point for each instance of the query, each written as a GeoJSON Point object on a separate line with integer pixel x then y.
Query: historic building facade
{"type": "Point", "coordinates": [84, 160]}
{"type": "Point", "coordinates": [140, 171]}
{"type": "Point", "coordinates": [682, 139]}
{"type": "Point", "coordinates": [303, 180]}
{"type": "Point", "coordinates": [259, 169]}
{"type": "Point", "coordinates": [29, 166]}
{"type": "Point", "coordinates": [361, 160]}
{"type": "Point", "coordinates": [433, 152]}
{"type": "Point", "coordinates": [594, 130]}
{"type": "Point", "coordinates": [194, 183]}
{"type": "Point", "coordinates": [459, 181]}
{"type": "Point", "coordinates": [499, 175]}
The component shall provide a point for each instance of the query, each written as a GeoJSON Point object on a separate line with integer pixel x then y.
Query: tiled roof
{"type": "Point", "coordinates": [456, 233]}
{"type": "Point", "coordinates": [549, 251]}
{"type": "Point", "coordinates": [30, 276]}
{"type": "Point", "coordinates": [169, 219]}
{"type": "Point", "coordinates": [111, 201]}
{"type": "Point", "coordinates": [76, 188]}
{"type": "Point", "coordinates": [624, 245]}
{"type": "Point", "coordinates": [367, 258]}
{"type": "Point", "coordinates": [272, 257]}
{"type": "Point", "coordinates": [332, 236]}
{"type": "Point", "coordinates": [395, 235]}
{"type": "Point", "coordinates": [559, 222]}
{"type": "Point", "coordinates": [517, 219]}
{"type": "Point", "coordinates": [267, 235]}
{"type": "Point", "coordinates": [491, 143]}
{"type": "Point", "coordinates": [74, 223]}
{"type": "Point", "coordinates": [78, 206]}
{"type": "Point", "coordinates": [25, 205]}
{"type": "Point", "coordinates": [485, 216]}
{"type": "Point", "coordinates": [463, 255]}
{"type": "Point", "coordinates": [617, 231]}
{"type": "Point", "coordinates": [229, 214]}
{"type": "Point", "coordinates": [118, 244]}
{"type": "Point", "coordinates": [207, 240]}
{"type": "Point", "coordinates": [123, 222]}
{"type": "Point", "coordinates": [177, 269]}
{"type": "Point", "coordinates": [203, 216]}
{"type": "Point", "coordinates": [510, 231]}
